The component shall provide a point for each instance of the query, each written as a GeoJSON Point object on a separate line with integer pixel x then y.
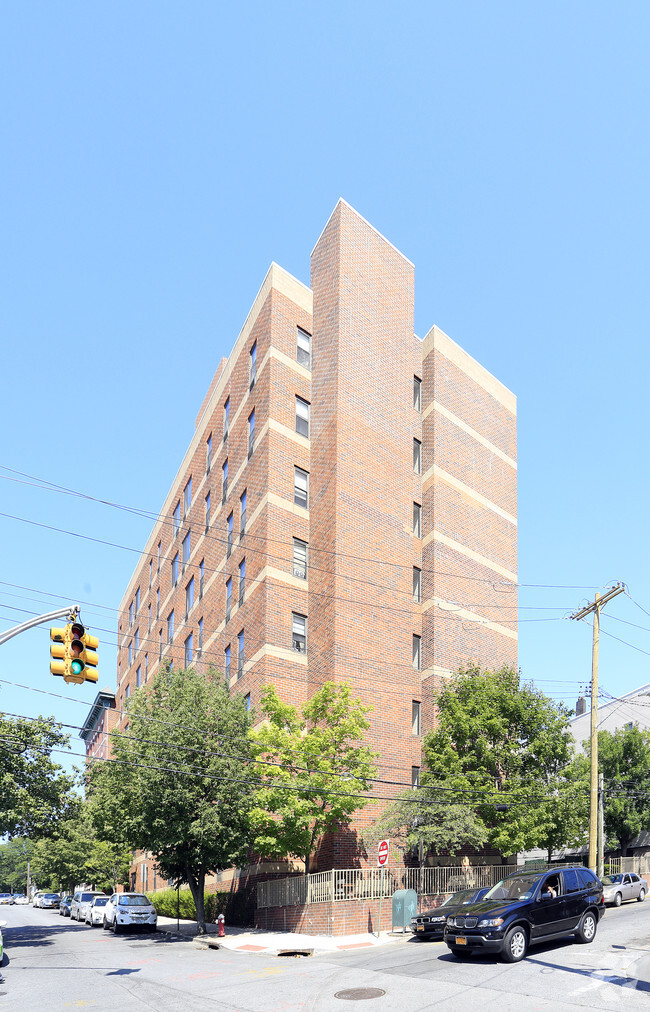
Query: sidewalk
{"type": "Point", "coordinates": [277, 942]}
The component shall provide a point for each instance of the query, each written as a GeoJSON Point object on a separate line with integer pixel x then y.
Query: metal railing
{"type": "Point", "coordinates": [366, 883]}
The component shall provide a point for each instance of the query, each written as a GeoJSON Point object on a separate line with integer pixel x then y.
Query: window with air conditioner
{"type": "Point", "coordinates": [301, 487]}
{"type": "Point", "coordinates": [303, 350]}
{"type": "Point", "coordinates": [299, 632]}
{"type": "Point", "coordinates": [300, 559]}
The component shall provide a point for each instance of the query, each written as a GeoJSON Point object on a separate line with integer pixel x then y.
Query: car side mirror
{"type": "Point", "coordinates": [544, 896]}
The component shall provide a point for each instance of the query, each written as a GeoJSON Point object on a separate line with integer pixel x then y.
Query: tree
{"type": "Point", "coordinates": [318, 770]}
{"type": "Point", "coordinates": [35, 793]}
{"type": "Point", "coordinates": [14, 858]}
{"type": "Point", "coordinates": [624, 761]}
{"type": "Point", "coordinates": [499, 741]}
{"type": "Point", "coordinates": [423, 818]}
{"type": "Point", "coordinates": [179, 781]}
{"type": "Point", "coordinates": [74, 856]}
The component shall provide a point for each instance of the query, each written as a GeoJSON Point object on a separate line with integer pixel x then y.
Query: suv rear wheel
{"type": "Point", "coordinates": [587, 930]}
{"type": "Point", "coordinates": [515, 945]}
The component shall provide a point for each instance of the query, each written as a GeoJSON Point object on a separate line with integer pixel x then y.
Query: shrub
{"type": "Point", "coordinates": [238, 907]}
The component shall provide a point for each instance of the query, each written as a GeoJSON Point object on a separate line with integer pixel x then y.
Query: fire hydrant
{"type": "Point", "coordinates": [221, 925]}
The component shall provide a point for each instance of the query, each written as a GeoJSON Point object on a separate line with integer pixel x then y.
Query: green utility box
{"type": "Point", "coordinates": [405, 906]}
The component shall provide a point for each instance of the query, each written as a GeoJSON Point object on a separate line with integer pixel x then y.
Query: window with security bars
{"type": "Point", "coordinates": [189, 598]}
{"type": "Point", "coordinates": [299, 632]}
{"type": "Point", "coordinates": [175, 570]}
{"type": "Point", "coordinates": [240, 654]}
{"type": "Point", "coordinates": [170, 626]}
{"type": "Point", "coordinates": [242, 581]}
{"type": "Point", "coordinates": [228, 598]}
{"type": "Point", "coordinates": [417, 456]}
{"type": "Point", "coordinates": [417, 520]}
{"type": "Point", "coordinates": [242, 523]}
{"type": "Point", "coordinates": [224, 480]}
{"type": "Point", "coordinates": [229, 535]}
{"type": "Point", "coordinates": [416, 716]}
{"type": "Point", "coordinates": [301, 487]}
{"type": "Point", "coordinates": [226, 418]}
{"type": "Point", "coordinates": [417, 393]}
{"type": "Point", "coordinates": [176, 518]}
{"type": "Point", "coordinates": [417, 652]}
{"type": "Point", "coordinates": [208, 454]}
{"type": "Point", "coordinates": [300, 559]}
{"type": "Point", "coordinates": [207, 513]}
{"type": "Point", "coordinates": [187, 497]}
{"type": "Point", "coordinates": [189, 650]}
{"type": "Point", "coordinates": [251, 433]}
{"type": "Point", "coordinates": [417, 585]}
{"type": "Point", "coordinates": [253, 354]}
{"type": "Point", "coordinates": [226, 663]}
{"type": "Point", "coordinates": [302, 417]}
{"type": "Point", "coordinates": [187, 550]}
{"type": "Point", "coordinates": [303, 350]}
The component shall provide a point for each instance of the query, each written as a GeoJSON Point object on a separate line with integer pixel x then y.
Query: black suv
{"type": "Point", "coordinates": [528, 908]}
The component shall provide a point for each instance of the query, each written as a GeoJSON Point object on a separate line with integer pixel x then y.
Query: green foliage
{"type": "Point", "coordinates": [425, 818]}
{"type": "Point", "coordinates": [178, 785]}
{"type": "Point", "coordinates": [14, 856]}
{"type": "Point", "coordinates": [35, 793]}
{"type": "Point", "coordinates": [237, 907]}
{"type": "Point", "coordinates": [501, 741]}
{"type": "Point", "coordinates": [624, 760]}
{"type": "Point", "coordinates": [311, 756]}
{"type": "Point", "coordinates": [75, 856]}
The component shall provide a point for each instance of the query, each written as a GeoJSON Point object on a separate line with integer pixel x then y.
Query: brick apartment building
{"type": "Point", "coordinates": [346, 508]}
{"type": "Point", "coordinates": [102, 718]}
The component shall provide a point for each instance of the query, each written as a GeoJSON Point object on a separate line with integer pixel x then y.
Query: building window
{"type": "Point", "coordinates": [137, 602]}
{"type": "Point", "coordinates": [300, 559]}
{"type": "Point", "coordinates": [226, 418]}
{"type": "Point", "coordinates": [251, 433]}
{"type": "Point", "coordinates": [417, 585]}
{"type": "Point", "coordinates": [130, 652]}
{"type": "Point", "coordinates": [242, 581]}
{"type": "Point", "coordinates": [301, 487]}
{"type": "Point", "coordinates": [417, 652]}
{"type": "Point", "coordinates": [160, 644]}
{"type": "Point", "coordinates": [149, 619]}
{"type": "Point", "coordinates": [302, 417]}
{"type": "Point", "coordinates": [131, 613]}
{"type": "Point", "coordinates": [247, 700]}
{"type": "Point", "coordinates": [242, 525]}
{"type": "Point", "coordinates": [201, 577]}
{"type": "Point", "coordinates": [136, 644]}
{"type": "Point", "coordinates": [146, 666]}
{"type": "Point", "coordinates": [228, 598]}
{"type": "Point", "coordinates": [253, 364]}
{"type": "Point", "coordinates": [158, 603]}
{"type": "Point", "coordinates": [177, 518]}
{"type": "Point", "coordinates": [299, 633]}
{"type": "Point", "coordinates": [189, 598]}
{"type": "Point", "coordinates": [200, 635]}
{"type": "Point", "coordinates": [150, 573]}
{"type": "Point", "coordinates": [416, 716]}
{"type": "Point", "coordinates": [240, 654]}
{"type": "Point", "coordinates": [227, 664]}
{"type": "Point", "coordinates": [170, 626]}
{"type": "Point", "coordinates": [303, 351]}
{"type": "Point", "coordinates": [415, 776]}
{"type": "Point", "coordinates": [187, 497]}
{"type": "Point", "coordinates": [138, 677]}
{"type": "Point", "coordinates": [229, 535]}
{"type": "Point", "coordinates": [417, 456]}
{"type": "Point", "coordinates": [189, 650]}
{"type": "Point", "coordinates": [417, 520]}
{"type": "Point", "coordinates": [186, 547]}
{"type": "Point", "coordinates": [175, 570]}
{"type": "Point", "coordinates": [159, 554]}
{"type": "Point", "coordinates": [417, 393]}
{"type": "Point", "coordinates": [127, 693]}
{"type": "Point", "coordinates": [208, 454]}
{"type": "Point", "coordinates": [207, 513]}
{"type": "Point", "coordinates": [224, 480]}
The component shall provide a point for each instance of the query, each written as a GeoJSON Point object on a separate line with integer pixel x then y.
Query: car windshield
{"type": "Point", "coordinates": [100, 901]}
{"type": "Point", "coordinates": [462, 896]}
{"type": "Point", "coordinates": [134, 901]}
{"type": "Point", "coordinates": [51, 896]}
{"type": "Point", "coordinates": [87, 897]}
{"type": "Point", "coordinates": [518, 887]}
{"type": "Point", "coordinates": [613, 879]}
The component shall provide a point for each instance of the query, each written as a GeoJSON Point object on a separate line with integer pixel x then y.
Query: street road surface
{"type": "Point", "coordinates": [52, 964]}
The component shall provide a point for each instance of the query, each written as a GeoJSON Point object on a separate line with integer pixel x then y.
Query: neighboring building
{"type": "Point", "coordinates": [624, 711]}
{"type": "Point", "coordinates": [101, 719]}
{"type": "Point", "coordinates": [346, 508]}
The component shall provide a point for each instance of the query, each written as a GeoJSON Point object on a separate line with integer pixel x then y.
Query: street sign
{"type": "Point", "coordinates": [382, 853]}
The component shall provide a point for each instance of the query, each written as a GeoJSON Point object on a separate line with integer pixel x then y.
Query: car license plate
{"type": "Point", "coordinates": [460, 940]}
{"type": "Point", "coordinates": [420, 927]}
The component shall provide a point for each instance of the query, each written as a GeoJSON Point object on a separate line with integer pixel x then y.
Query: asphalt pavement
{"type": "Point", "coordinates": [53, 964]}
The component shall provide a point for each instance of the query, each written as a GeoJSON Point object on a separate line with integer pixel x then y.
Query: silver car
{"type": "Point", "coordinates": [80, 903]}
{"type": "Point", "coordinates": [624, 886]}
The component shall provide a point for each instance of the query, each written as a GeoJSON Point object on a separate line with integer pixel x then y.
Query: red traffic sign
{"type": "Point", "coordinates": [382, 853]}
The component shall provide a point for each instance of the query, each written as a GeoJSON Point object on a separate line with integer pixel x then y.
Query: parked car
{"type": "Point", "coordinates": [80, 903]}
{"type": "Point", "coordinates": [20, 899]}
{"type": "Point", "coordinates": [626, 886]}
{"type": "Point", "coordinates": [95, 912]}
{"type": "Point", "coordinates": [50, 901]}
{"type": "Point", "coordinates": [430, 924]}
{"type": "Point", "coordinates": [36, 898]}
{"type": "Point", "coordinates": [6, 898]}
{"type": "Point", "coordinates": [527, 908]}
{"type": "Point", "coordinates": [64, 906]}
{"type": "Point", "coordinates": [129, 910]}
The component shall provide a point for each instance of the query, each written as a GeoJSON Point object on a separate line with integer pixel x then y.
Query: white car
{"type": "Point", "coordinates": [80, 903]}
{"type": "Point", "coordinates": [95, 912]}
{"type": "Point", "coordinates": [22, 900]}
{"type": "Point", "coordinates": [129, 910]}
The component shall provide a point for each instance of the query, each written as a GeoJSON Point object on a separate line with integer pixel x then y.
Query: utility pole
{"type": "Point", "coordinates": [601, 825]}
{"type": "Point", "coordinates": [595, 609]}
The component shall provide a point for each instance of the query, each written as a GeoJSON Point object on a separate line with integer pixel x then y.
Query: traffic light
{"type": "Point", "coordinates": [73, 653]}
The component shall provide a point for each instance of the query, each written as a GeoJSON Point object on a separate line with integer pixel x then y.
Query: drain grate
{"type": "Point", "coordinates": [359, 993]}
{"type": "Point", "coordinates": [295, 952]}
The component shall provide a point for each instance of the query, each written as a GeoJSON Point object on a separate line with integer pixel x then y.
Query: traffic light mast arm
{"type": "Point", "coordinates": [70, 612]}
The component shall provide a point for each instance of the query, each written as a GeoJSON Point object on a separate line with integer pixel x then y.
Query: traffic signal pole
{"type": "Point", "coordinates": [69, 612]}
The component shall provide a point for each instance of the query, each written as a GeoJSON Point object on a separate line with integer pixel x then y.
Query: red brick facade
{"type": "Point", "coordinates": [365, 431]}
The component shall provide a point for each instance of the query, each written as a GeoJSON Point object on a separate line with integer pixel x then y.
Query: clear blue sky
{"type": "Point", "coordinates": [157, 157]}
